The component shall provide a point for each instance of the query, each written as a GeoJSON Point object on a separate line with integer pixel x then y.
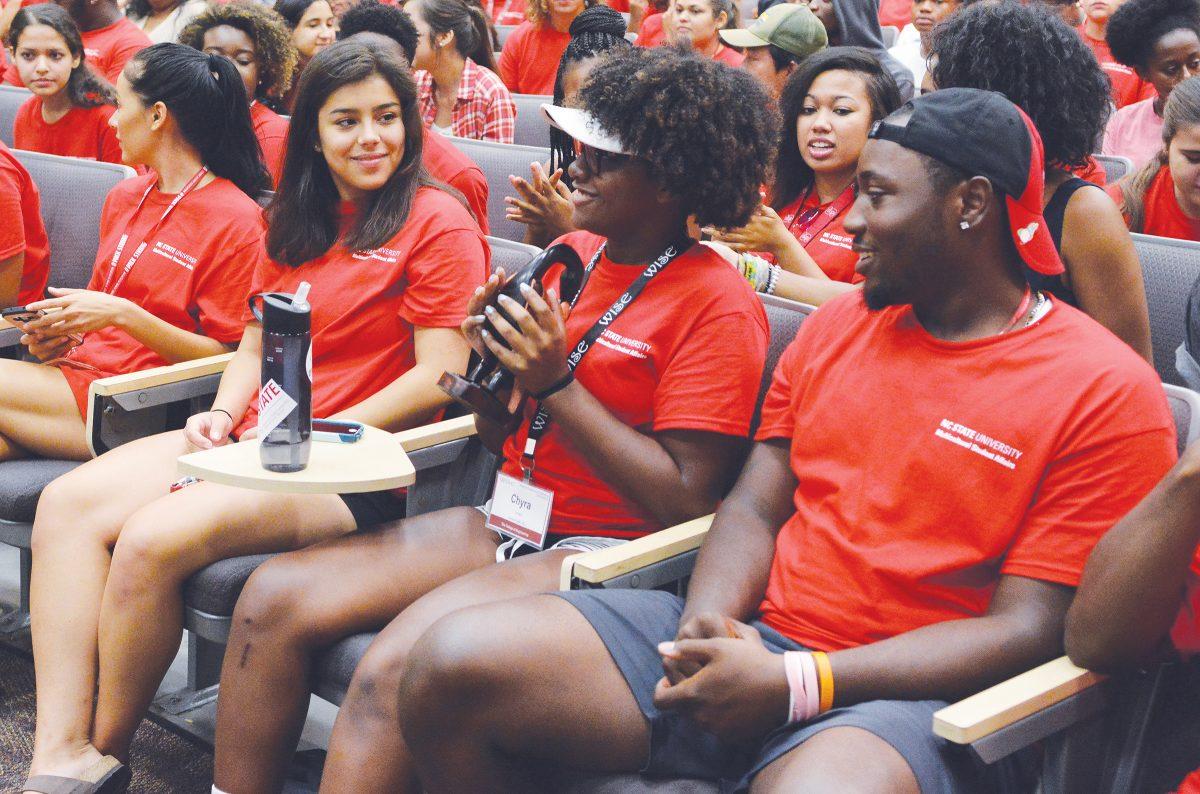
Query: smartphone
{"type": "Point", "coordinates": [336, 431]}
{"type": "Point", "coordinates": [20, 314]}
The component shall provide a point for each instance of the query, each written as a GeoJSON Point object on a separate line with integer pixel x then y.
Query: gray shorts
{"type": "Point", "coordinates": [631, 623]}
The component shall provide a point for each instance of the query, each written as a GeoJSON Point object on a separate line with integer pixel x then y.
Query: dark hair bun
{"type": "Point", "coordinates": [598, 19]}
{"type": "Point", "coordinates": [1137, 26]}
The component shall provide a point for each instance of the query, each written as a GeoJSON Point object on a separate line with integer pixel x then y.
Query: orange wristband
{"type": "Point", "coordinates": [825, 676]}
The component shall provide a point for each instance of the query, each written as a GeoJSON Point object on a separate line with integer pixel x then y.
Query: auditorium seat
{"type": "Point", "coordinates": [532, 128]}
{"type": "Point", "coordinates": [890, 33]}
{"type": "Point", "coordinates": [498, 161]}
{"type": "Point", "coordinates": [1115, 167]}
{"type": "Point", "coordinates": [503, 32]}
{"type": "Point", "coordinates": [11, 98]}
{"type": "Point", "coordinates": [1169, 268]}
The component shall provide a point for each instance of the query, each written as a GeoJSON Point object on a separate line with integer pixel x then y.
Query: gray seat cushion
{"type": "Point", "coordinates": [21, 484]}
{"type": "Point", "coordinates": [215, 589]}
{"type": "Point", "coordinates": [636, 784]}
{"type": "Point", "coordinates": [336, 667]}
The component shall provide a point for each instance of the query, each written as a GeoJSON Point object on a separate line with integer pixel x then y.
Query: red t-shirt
{"type": "Point", "coordinates": [529, 60]}
{"type": "Point", "coordinates": [1163, 216]}
{"type": "Point", "coordinates": [83, 132]}
{"type": "Point", "coordinates": [1093, 172]}
{"type": "Point", "coordinates": [830, 247]}
{"type": "Point", "coordinates": [1127, 87]}
{"type": "Point", "coordinates": [194, 273]}
{"type": "Point", "coordinates": [679, 358]}
{"type": "Point", "coordinates": [445, 162]}
{"type": "Point", "coordinates": [366, 303]}
{"type": "Point", "coordinates": [506, 12]}
{"type": "Point", "coordinates": [107, 50]}
{"type": "Point", "coordinates": [651, 33]}
{"type": "Point", "coordinates": [19, 198]}
{"type": "Point", "coordinates": [271, 129]}
{"type": "Point", "coordinates": [728, 56]}
{"type": "Point", "coordinates": [928, 469]}
{"type": "Point", "coordinates": [896, 13]}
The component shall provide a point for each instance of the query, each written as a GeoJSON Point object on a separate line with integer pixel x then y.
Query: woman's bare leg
{"type": "Point", "coordinates": [367, 752]}
{"type": "Point", "coordinates": [77, 522]}
{"type": "Point", "coordinates": [159, 547]}
{"type": "Point", "coordinates": [38, 414]}
{"type": "Point", "coordinates": [298, 604]}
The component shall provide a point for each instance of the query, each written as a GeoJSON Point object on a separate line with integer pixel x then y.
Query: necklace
{"type": "Point", "coordinates": [1034, 311]}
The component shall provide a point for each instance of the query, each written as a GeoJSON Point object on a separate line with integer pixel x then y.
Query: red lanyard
{"type": "Point", "coordinates": [109, 286]}
{"type": "Point", "coordinates": [813, 222]}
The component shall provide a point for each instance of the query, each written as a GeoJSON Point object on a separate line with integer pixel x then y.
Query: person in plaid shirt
{"type": "Point", "coordinates": [458, 89]}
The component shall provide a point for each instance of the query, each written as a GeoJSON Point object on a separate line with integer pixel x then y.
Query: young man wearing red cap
{"type": "Point", "coordinates": [937, 456]}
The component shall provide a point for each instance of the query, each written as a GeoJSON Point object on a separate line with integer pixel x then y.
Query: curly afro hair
{"type": "Point", "coordinates": [371, 16]}
{"type": "Point", "coordinates": [1030, 55]}
{"type": "Point", "coordinates": [267, 29]}
{"type": "Point", "coordinates": [1136, 27]}
{"type": "Point", "coordinates": [705, 129]}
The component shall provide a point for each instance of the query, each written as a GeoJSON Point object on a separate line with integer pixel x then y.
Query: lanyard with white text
{"type": "Point", "coordinates": [814, 221]}
{"type": "Point", "coordinates": [541, 418]}
{"type": "Point", "coordinates": [109, 286]}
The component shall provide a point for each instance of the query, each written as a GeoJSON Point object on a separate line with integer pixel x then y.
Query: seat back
{"type": "Point", "coordinates": [498, 161]}
{"type": "Point", "coordinates": [509, 255]}
{"type": "Point", "coordinates": [784, 318]}
{"type": "Point", "coordinates": [1114, 167]}
{"type": "Point", "coordinates": [1185, 409]}
{"type": "Point", "coordinates": [502, 34]}
{"type": "Point", "coordinates": [889, 33]}
{"type": "Point", "coordinates": [1169, 269]}
{"type": "Point", "coordinates": [73, 193]}
{"type": "Point", "coordinates": [532, 128]}
{"type": "Point", "coordinates": [11, 98]}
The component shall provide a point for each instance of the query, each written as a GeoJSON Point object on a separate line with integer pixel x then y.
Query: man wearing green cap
{"type": "Point", "coordinates": [777, 42]}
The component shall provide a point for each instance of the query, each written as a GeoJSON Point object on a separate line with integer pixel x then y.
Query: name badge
{"type": "Point", "coordinates": [520, 510]}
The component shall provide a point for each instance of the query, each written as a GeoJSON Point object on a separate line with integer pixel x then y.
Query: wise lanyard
{"type": "Point", "coordinates": [109, 286]}
{"type": "Point", "coordinates": [541, 418]}
{"type": "Point", "coordinates": [812, 222]}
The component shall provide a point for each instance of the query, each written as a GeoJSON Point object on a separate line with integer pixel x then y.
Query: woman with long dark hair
{"type": "Point", "coordinates": [314, 27]}
{"type": "Point", "coordinates": [69, 111]}
{"type": "Point", "coordinates": [109, 38]}
{"type": "Point", "coordinates": [392, 261]}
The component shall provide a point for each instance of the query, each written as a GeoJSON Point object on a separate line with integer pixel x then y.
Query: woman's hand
{"type": "Point", "coordinates": [48, 348]}
{"type": "Point", "coordinates": [77, 311]}
{"type": "Point", "coordinates": [765, 232]}
{"type": "Point", "coordinates": [537, 352]}
{"type": "Point", "coordinates": [484, 295]}
{"type": "Point", "coordinates": [209, 429]}
{"type": "Point", "coordinates": [544, 202]}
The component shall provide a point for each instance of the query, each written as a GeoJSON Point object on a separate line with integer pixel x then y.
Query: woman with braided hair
{"type": "Point", "coordinates": [543, 203]}
{"type": "Point", "coordinates": [1160, 40]}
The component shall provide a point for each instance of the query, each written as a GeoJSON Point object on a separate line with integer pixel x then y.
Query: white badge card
{"type": "Point", "coordinates": [520, 510]}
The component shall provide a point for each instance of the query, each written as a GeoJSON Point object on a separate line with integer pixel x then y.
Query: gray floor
{"type": "Point", "coordinates": [320, 714]}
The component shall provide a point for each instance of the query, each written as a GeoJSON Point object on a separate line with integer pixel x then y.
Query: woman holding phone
{"type": "Point", "coordinates": [392, 261]}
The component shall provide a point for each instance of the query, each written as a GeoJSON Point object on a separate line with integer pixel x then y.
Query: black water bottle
{"type": "Point", "coordinates": [285, 398]}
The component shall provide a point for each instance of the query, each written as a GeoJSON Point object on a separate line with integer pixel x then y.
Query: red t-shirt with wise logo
{"type": "Point", "coordinates": [927, 469]}
{"type": "Point", "coordinates": [19, 198]}
{"type": "Point", "coordinates": [366, 303]}
{"type": "Point", "coordinates": [1161, 210]}
{"type": "Point", "coordinates": [107, 50]}
{"type": "Point", "coordinates": [678, 358]}
{"type": "Point", "coordinates": [82, 132]}
{"type": "Point", "coordinates": [194, 273]}
{"type": "Point", "coordinates": [1127, 87]}
{"type": "Point", "coordinates": [830, 248]}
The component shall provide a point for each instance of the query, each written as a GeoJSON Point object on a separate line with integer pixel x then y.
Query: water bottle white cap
{"type": "Point", "coordinates": [300, 299]}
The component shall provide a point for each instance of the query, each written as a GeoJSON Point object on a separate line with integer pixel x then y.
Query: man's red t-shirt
{"type": "Point", "coordinates": [679, 358]}
{"type": "Point", "coordinates": [927, 469]}
{"type": "Point", "coordinates": [446, 163]}
{"type": "Point", "coordinates": [831, 247]}
{"type": "Point", "coordinates": [107, 50]}
{"type": "Point", "coordinates": [1161, 210]}
{"type": "Point", "coordinates": [19, 198]}
{"type": "Point", "coordinates": [1127, 87]}
{"type": "Point", "coordinates": [365, 304]}
{"type": "Point", "coordinates": [651, 33]}
{"type": "Point", "coordinates": [529, 60]}
{"type": "Point", "coordinates": [82, 132]}
{"type": "Point", "coordinates": [271, 130]}
{"type": "Point", "coordinates": [194, 273]}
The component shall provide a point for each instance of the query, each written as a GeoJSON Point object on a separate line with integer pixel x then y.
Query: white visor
{"type": "Point", "coordinates": [582, 127]}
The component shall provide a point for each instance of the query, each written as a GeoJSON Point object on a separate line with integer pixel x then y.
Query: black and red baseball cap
{"type": "Point", "coordinates": [981, 133]}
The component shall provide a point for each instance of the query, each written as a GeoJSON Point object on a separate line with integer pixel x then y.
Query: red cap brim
{"type": "Point", "coordinates": [1032, 238]}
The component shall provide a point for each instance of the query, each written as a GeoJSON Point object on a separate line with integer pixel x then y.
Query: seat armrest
{"type": "Point", "coordinates": [135, 393]}
{"type": "Point", "coordinates": [10, 335]}
{"type": "Point", "coordinates": [596, 567]}
{"type": "Point", "coordinates": [436, 433]}
{"type": "Point", "coordinates": [997, 707]}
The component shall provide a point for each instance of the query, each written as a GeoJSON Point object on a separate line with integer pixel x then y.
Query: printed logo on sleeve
{"type": "Point", "coordinates": [389, 255]}
{"type": "Point", "coordinates": [981, 444]}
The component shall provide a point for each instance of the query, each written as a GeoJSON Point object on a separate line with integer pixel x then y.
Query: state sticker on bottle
{"type": "Point", "coordinates": [520, 510]}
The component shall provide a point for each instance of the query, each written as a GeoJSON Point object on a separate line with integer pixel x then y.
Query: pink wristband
{"type": "Point", "coordinates": [795, 679]}
{"type": "Point", "coordinates": [812, 686]}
